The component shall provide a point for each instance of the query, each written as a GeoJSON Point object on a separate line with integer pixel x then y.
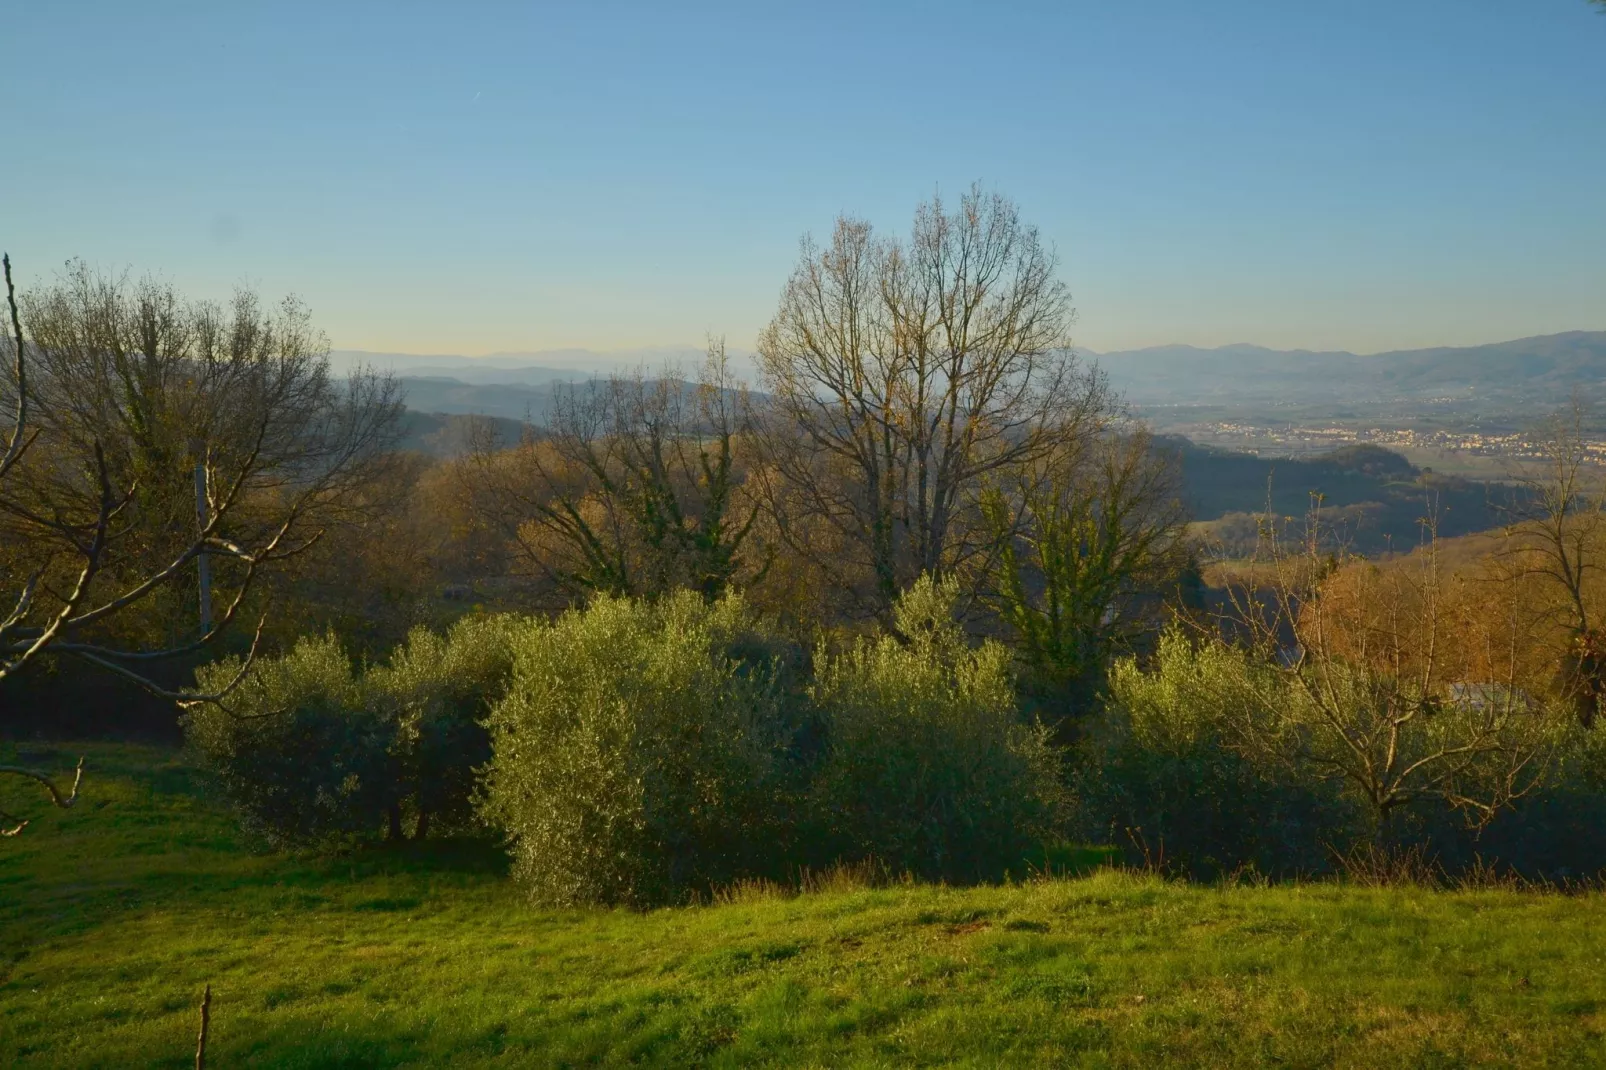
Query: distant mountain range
{"type": "Point", "coordinates": [534, 368]}
{"type": "Point", "coordinates": [1544, 368]}
{"type": "Point", "coordinates": [514, 386]}
{"type": "Point", "coordinates": [526, 400]}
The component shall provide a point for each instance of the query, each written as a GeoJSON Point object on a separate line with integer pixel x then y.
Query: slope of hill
{"type": "Point", "coordinates": [445, 435]}
{"type": "Point", "coordinates": [510, 401]}
{"type": "Point", "coordinates": [527, 402]}
{"type": "Point", "coordinates": [426, 954]}
{"type": "Point", "coordinates": [1374, 498]}
{"type": "Point", "coordinates": [1545, 368]}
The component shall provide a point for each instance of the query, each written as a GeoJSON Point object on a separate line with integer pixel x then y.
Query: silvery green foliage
{"type": "Point", "coordinates": [638, 758]}
{"type": "Point", "coordinates": [435, 692]}
{"type": "Point", "coordinates": [298, 751]}
{"type": "Point", "coordinates": [315, 752]}
{"type": "Point", "coordinates": [930, 768]}
{"type": "Point", "coordinates": [1160, 774]}
{"type": "Point", "coordinates": [1217, 760]}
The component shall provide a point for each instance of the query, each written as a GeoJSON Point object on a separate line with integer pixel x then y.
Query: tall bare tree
{"type": "Point", "coordinates": [151, 438]}
{"type": "Point", "coordinates": [901, 376]}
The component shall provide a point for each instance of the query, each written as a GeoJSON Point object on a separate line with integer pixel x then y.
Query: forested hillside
{"type": "Point", "coordinates": [1373, 499]}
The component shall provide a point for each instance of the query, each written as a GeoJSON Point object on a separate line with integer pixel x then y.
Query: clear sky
{"type": "Point", "coordinates": [473, 177]}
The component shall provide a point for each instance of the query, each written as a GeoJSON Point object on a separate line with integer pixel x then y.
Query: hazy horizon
{"type": "Point", "coordinates": [686, 351]}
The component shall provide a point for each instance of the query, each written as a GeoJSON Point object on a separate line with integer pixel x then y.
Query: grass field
{"type": "Point", "coordinates": [113, 916]}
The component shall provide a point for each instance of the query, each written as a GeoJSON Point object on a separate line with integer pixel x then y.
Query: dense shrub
{"type": "Point", "coordinates": [645, 751]}
{"type": "Point", "coordinates": [435, 693]}
{"type": "Point", "coordinates": [298, 751]}
{"type": "Point", "coordinates": [642, 753]}
{"type": "Point", "coordinates": [1207, 759]}
{"type": "Point", "coordinates": [1159, 776]}
{"type": "Point", "coordinates": [1557, 832]}
{"type": "Point", "coordinates": [313, 752]}
{"type": "Point", "coordinates": [929, 768]}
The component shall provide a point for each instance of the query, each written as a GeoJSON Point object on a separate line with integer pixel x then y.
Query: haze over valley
{"type": "Point", "coordinates": [1463, 410]}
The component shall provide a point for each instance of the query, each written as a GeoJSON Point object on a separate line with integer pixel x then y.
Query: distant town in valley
{"type": "Point", "coordinates": [1477, 411]}
{"type": "Point", "coordinates": [1487, 452]}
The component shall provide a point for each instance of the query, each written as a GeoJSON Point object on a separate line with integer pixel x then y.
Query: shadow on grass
{"type": "Point", "coordinates": [149, 832]}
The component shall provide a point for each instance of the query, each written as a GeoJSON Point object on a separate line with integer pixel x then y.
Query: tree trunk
{"type": "Point", "coordinates": [422, 829]}
{"type": "Point", "coordinates": [395, 834]}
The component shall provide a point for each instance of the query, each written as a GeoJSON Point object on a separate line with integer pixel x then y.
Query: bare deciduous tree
{"type": "Point", "coordinates": [1557, 534]}
{"type": "Point", "coordinates": [151, 436]}
{"type": "Point", "coordinates": [633, 489]}
{"type": "Point", "coordinates": [1387, 688]}
{"type": "Point", "coordinates": [902, 375]}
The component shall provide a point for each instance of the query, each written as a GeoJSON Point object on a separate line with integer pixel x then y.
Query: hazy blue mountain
{"type": "Point", "coordinates": [529, 401]}
{"type": "Point", "coordinates": [510, 401]}
{"type": "Point", "coordinates": [480, 376]}
{"type": "Point", "coordinates": [544, 366]}
{"type": "Point", "coordinates": [1541, 369]}
{"type": "Point", "coordinates": [1547, 367]}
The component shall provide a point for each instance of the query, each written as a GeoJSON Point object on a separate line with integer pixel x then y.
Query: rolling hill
{"type": "Point", "coordinates": [508, 401]}
{"type": "Point", "coordinates": [1372, 498]}
{"type": "Point", "coordinates": [1542, 369]}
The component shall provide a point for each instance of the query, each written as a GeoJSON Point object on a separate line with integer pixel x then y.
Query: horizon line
{"type": "Point", "coordinates": [739, 351]}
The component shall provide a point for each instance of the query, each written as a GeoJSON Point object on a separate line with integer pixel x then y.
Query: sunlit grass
{"type": "Point", "coordinates": [114, 916]}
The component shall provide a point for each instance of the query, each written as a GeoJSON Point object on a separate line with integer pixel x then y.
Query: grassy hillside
{"type": "Point", "coordinates": [116, 914]}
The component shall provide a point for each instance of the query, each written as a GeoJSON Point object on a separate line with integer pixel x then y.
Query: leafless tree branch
{"type": "Point", "coordinates": [62, 799]}
{"type": "Point", "coordinates": [134, 398]}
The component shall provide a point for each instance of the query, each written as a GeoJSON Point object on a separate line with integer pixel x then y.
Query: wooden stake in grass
{"type": "Point", "coordinates": [206, 1019]}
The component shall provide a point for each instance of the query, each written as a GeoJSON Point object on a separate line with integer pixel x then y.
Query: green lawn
{"type": "Point", "coordinates": [113, 917]}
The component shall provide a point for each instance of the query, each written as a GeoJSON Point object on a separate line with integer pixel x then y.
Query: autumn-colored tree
{"type": "Point", "coordinates": [1396, 680]}
{"type": "Point", "coordinates": [633, 488]}
{"type": "Point", "coordinates": [1556, 534]}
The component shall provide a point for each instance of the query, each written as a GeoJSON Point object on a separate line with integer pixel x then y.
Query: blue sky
{"type": "Point", "coordinates": [467, 178]}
